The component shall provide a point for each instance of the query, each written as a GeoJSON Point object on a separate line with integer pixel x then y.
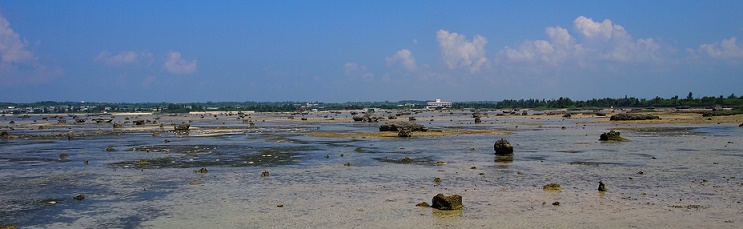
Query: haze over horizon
{"type": "Point", "coordinates": [341, 51]}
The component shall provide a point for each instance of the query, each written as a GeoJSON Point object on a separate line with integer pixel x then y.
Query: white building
{"type": "Point", "coordinates": [439, 103]}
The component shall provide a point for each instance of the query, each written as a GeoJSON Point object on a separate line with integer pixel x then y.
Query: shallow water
{"type": "Point", "coordinates": [667, 176]}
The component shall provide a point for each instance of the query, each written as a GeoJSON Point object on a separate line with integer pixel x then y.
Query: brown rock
{"type": "Point", "coordinates": [442, 202]}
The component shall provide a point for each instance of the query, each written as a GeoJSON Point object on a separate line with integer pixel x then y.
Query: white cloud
{"type": "Point", "coordinates": [612, 42]}
{"type": "Point", "coordinates": [600, 41]}
{"type": "Point", "coordinates": [727, 49]}
{"type": "Point", "coordinates": [357, 70]}
{"type": "Point", "coordinates": [458, 52]}
{"type": "Point", "coordinates": [18, 65]}
{"type": "Point", "coordinates": [404, 57]}
{"type": "Point", "coordinates": [12, 49]}
{"type": "Point", "coordinates": [123, 58]}
{"type": "Point", "coordinates": [174, 64]}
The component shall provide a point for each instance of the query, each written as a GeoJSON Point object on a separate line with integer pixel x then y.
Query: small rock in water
{"type": "Point", "coordinates": [503, 147]}
{"type": "Point", "coordinates": [602, 186]}
{"type": "Point", "coordinates": [442, 202]}
{"type": "Point", "coordinates": [110, 148]}
{"type": "Point", "coordinates": [79, 197]}
{"type": "Point", "coordinates": [202, 170]}
{"type": "Point", "coordinates": [423, 204]}
{"type": "Point", "coordinates": [556, 203]}
{"type": "Point", "coordinates": [264, 174]}
{"type": "Point", "coordinates": [437, 180]}
{"type": "Point", "coordinates": [63, 156]}
{"type": "Point", "coordinates": [552, 187]}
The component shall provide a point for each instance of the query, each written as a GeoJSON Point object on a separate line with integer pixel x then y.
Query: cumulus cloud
{"type": "Point", "coordinates": [18, 65]}
{"type": "Point", "coordinates": [727, 49]}
{"type": "Point", "coordinates": [176, 65]}
{"type": "Point", "coordinates": [123, 58]}
{"type": "Point", "coordinates": [598, 41]}
{"type": "Point", "coordinates": [12, 48]}
{"type": "Point", "coordinates": [405, 58]}
{"type": "Point", "coordinates": [460, 53]}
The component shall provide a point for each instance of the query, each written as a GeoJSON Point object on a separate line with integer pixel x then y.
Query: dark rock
{"type": "Point", "coordinates": [182, 127]}
{"type": "Point", "coordinates": [442, 202]}
{"type": "Point", "coordinates": [503, 147]}
{"type": "Point", "coordinates": [117, 125]}
{"type": "Point", "coordinates": [602, 186]}
{"type": "Point", "coordinates": [397, 126]}
{"type": "Point", "coordinates": [139, 122]}
{"type": "Point", "coordinates": [63, 156]}
{"type": "Point", "coordinates": [625, 116]}
{"type": "Point", "coordinates": [202, 170]}
{"type": "Point", "coordinates": [567, 115]}
{"type": "Point", "coordinates": [4, 135]}
{"type": "Point", "coordinates": [741, 125]}
{"type": "Point", "coordinates": [406, 160]}
{"type": "Point", "coordinates": [437, 180]}
{"type": "Point", "coordinates": [556, 203]}
{"type": "Point", "coordinates": [612, 136]}
{"type": "Point", "coordinates": [79, 197]}
{"type": "Point", "coordinates": [423, 204]}
{"type": "Point", "coordinates": [478, 120]}
{"type": "Point", "coordinates": [265, 174]}
{"type": "Point", "coordinates": [110, 148]}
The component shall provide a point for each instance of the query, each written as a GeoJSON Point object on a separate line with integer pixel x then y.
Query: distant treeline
{"type": "Point", "coordinates": [560, 103]}
{"type": "Point", "coordinates": [688, 102]}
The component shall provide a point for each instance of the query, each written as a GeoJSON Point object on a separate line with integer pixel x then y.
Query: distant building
{"type": "Point", "coordinates": [439, 103]}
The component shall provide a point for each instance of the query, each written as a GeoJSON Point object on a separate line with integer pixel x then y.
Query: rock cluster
{"type": "Point", "coordinates": [366, 118]}
{"type": "Point", "coordinates": [397, 126]}
{"type": "Point", "coordinates": [612, 136]}
{"type": "Point", "coordinates": [442, 202]}
{"type": "Point", "coordinates": [503, 147]}
{"type": "Point", "coordinates": [625, 116]}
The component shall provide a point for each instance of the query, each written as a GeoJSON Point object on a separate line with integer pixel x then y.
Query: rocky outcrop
{"type": "Point", "coordinates": [503, 147]}
{"type": "Point", "coordinates": [625, 117]}
{"type": "Point", "coordinates": [365, 118]}
{"type": "Point", "coordinates": [397, 126]}
{"type": "Point", "coordinates": [182, 127]}
{"type": "Point", "coordinates": [442, 202]}
{"type": "Point", "coordinates": [612, 136]}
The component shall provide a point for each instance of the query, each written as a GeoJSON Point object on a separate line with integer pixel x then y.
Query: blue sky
{"type": "Point", "coordinates": [345, 51]}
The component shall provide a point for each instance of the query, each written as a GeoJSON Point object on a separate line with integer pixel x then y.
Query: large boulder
{"type": "Point", "coordinates": [612, 136]}
{"type": "Point", "coordinates": [625, 116]}
{"type": "Point", "coordinates": [503, 147]}
{"type": "Point", "coordinates": [442, 202]}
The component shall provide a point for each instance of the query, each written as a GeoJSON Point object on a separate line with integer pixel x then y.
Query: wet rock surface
{"type": "Point", "coordinates": [612, 136]}
{"type": "Point", "coordinates": [503, 147]}
{"type": "Point", "coordinates": [626, 116]}
{"type": "Point", "coordinates": [443, 202]}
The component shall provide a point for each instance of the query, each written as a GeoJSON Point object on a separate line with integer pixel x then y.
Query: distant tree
{"type": "Point", "coordinates": [690, 96]}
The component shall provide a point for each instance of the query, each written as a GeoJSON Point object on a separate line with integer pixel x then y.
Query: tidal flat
{"type": "Point", "coordinates": [280, 170]}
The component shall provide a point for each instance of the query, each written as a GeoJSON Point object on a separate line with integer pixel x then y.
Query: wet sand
{"type": "Point", "coordinates": [328, 171]}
